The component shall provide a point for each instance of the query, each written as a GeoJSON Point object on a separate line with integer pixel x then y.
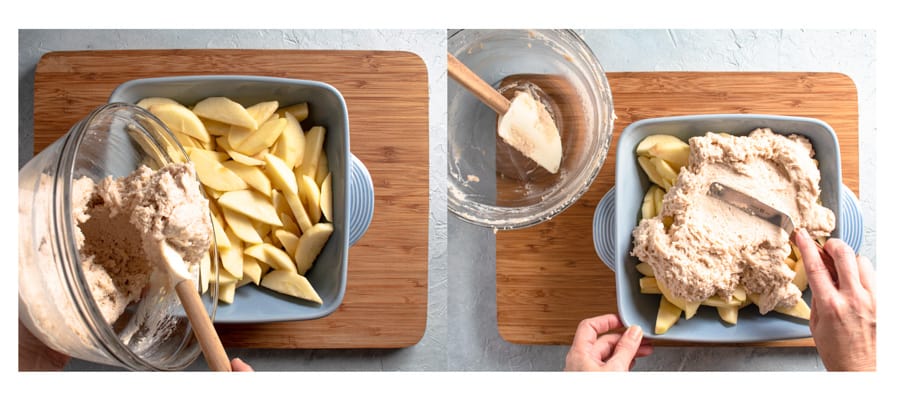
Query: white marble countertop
{"type": "Point", "coordinates": [461, 333]}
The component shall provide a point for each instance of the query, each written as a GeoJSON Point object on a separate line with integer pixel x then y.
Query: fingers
{"type": "Point", "coordinates": [626, 349]}
{"type": "Point", "coordinates": [844, 263]}
{"type": "Point", "coordinates": [817, 273]}
{"type": "Point", "coordinates": [866, 273]}
{"type": "Point", "coordinates": [588, 329]}
{"type": "Point", "coordinates": [238, 365]}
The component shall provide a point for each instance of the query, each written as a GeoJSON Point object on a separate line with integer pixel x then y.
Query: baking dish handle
{"type": "Point", "coordinates": [605, 229]}
{"type": "Point", "coordinates": [362, 199]}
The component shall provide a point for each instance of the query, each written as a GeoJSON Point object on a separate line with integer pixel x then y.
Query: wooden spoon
{"type": "Point", "coordinates": [203, 327]}
{"type": "Point", "coordinates": [473, 83]}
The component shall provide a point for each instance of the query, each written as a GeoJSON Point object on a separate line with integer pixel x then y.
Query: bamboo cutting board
{"type": "Point", "coordinates": [385, 305]}
{"type": "Point", "coordinates": [548, 280]}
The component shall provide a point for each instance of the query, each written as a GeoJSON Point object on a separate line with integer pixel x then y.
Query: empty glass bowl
{"type": "Point", "coordinates": [490, 183]}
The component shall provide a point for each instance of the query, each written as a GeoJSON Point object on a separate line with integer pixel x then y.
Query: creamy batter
{"type": "Point", "coordinates": [711, 247]}
{"type": "Point", "coordinates": [122, 221]}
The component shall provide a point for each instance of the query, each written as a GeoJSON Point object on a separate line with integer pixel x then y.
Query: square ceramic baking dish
{"type": "Point", "coordinates": [636, 308]}
{"type": "Point", "coordinates": [353, 198]}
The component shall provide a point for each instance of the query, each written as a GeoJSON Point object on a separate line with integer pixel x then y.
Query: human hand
{"type": "Point", "coordinates": [237, 365]}
{"type": "Point", "coordinates": [595, 348]}
{"type": "Point", "coordinates": [35, 356]}
{"type": "Point", "coordinates": [842, 318]}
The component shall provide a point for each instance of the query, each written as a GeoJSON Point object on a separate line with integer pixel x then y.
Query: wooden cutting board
{"type": "Point", "coordinates": [548, 280]}
{"type": "Point", "coordinates": [386, 300]}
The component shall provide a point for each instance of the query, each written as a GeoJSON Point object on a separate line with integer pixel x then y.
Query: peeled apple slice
{"type": "Point", "coordinates": [290, 283]}
{"type": "Point", "coordinates": [225, 110]}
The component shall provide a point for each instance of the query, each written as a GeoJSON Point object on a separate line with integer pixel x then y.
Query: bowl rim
{"type": "Point", "coordinates": [624, 301]}
{"type": "Point", "coordinates": [509, 218]}
{"type": "Point", "coordinates": [342, 280]}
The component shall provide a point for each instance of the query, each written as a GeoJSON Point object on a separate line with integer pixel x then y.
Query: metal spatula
{"type": "Point", "coordinates": [752, 206]}
{"type": "Point", "coordinates": [756, 208]}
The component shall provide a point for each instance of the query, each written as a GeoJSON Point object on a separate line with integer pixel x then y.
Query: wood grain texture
{"type": "Point", "coordinates": [548, 280]}
{"type": "Point", "coordinates": [385, 305]}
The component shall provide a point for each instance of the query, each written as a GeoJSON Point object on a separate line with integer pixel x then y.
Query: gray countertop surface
{"type": "Point", "coordinates": [461, 332]}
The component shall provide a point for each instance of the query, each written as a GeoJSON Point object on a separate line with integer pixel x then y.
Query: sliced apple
{"type": "Point", "coordinates": [315, 140]}
{"type": "Point", "coordinates": [226, 292]}
{"type": "Point", "coordinates": [310, 245]}
{"type": "Point", "coordinates": [799, 310]}
{"type": "Point", "coordinates": [232, 259]}
{"type": "Point", "coordinates": [299, 212]}
{"type": "Point", "coordinates": [281, 175]}
{"type": "Point", "coordinates": [221, 238]}
{"type": "Point", "coordinates": [212, 174]}
{"type": "Point", "coordinates": [180, 119]}
{"type": "Point", "coordinates": [322, 170]}
{"type": "Point", "coordinates": [252, 175]}
{"type": "Point", "coordinates": [325, 202]}
{"type": "Point", "coordinates": [187, 141]}
{"type": "Point", "coordinates": [241, 226]}
{"type": "Point", "coordinates": [651, 172]}
{"type": "Point", "coordinates": [205, 273]}
{"type": "Point", "coordinates": [252, 269]}
{"type": "Point", "coordinates": [216, 128]}
{"type": "Point", "coordinates": [299, 111]}
{"type": "Point", "coordinates": [645, 269]}
{"type": "Point", "coordinates": [212, 193]}
{"type": "Point", "coordinates": [649, 285]}
{"type": "Point", "coordinates": [261, 138]}
{"type": "Point", "coordinates": [648, 208]}
{"type": "Point", "coordinates": [728, 314]}
{"type": "Point", "coordinates": [209, 154]}
{"type": "Point", "coordinates": [290, 144]}
{"type": "Point", "coordinates": [288, 240]}
{"type": "Point", "coordinates": [236, 136]}
{"type": "Point", "coordinates": [225, 110]}
{"type": "Point", "coordinates": [718, 301]}
{"type": "Point", "coordinates": [667, 316]}
{"type": "Point", "coordinates": [689, 308]}
{"type": "Point", "coordinates": [291, 283]}
{"type": "Point", "coordinates": [272, 256]}
{"type": "Point", "coordinates": [311, 194]}
{"type": "Point", "coordinates": [676, 155]}
{"type": "Point", "coordinates": [668, 174]}
{"type": "Point", "coordinates": [148, 102]}
{"type": "Point", "coordinates": [658, 195]}
{"type": "Point", "coordinates": [223, 143]}
{"type": "Point", "coordinates": [262, 111]}
{"type": "Point", "coordinates": [252, 204]}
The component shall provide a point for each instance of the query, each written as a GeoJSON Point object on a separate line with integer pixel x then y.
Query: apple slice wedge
{"type": "Point", "coordinates": [252, 175]}
{"type": "Point", "coordinates": [213, 174]}
{"type": "Point", "coordinates": [280, 174]}
{"type": "Point", "coordinates": [261, 138]}
{"type": "Point", "coordinates": [291, 283]}
{"type": "Point", "coordinates": [225, 110]}
{"type": "Point", "coordinates": [272, 256]}
{"type": "Point", "coordinates": [311, 244]}
{"type": "Point", "coordinates": [325, 197]}
{"type": "Point", "coordinates": [180, 119]}
{"type": "Point", "coordinates": [241, 226]}
{"type": "Point", "coordinates": [252, 204]}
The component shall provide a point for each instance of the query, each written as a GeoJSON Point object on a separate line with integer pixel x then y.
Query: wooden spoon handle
{"type": "Point", "coordinates": [203, 327]}
{"type": "Point", "coordinates": [472, 82]}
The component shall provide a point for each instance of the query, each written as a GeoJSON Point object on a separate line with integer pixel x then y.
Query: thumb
{"type": "Point", "coordinates": [626, 349]}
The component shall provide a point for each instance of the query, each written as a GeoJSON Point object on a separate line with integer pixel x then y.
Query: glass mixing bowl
{"type": "Point", "coordinates": [55, 301]}
{"type": "Point", "coordinates": [490, 183]}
